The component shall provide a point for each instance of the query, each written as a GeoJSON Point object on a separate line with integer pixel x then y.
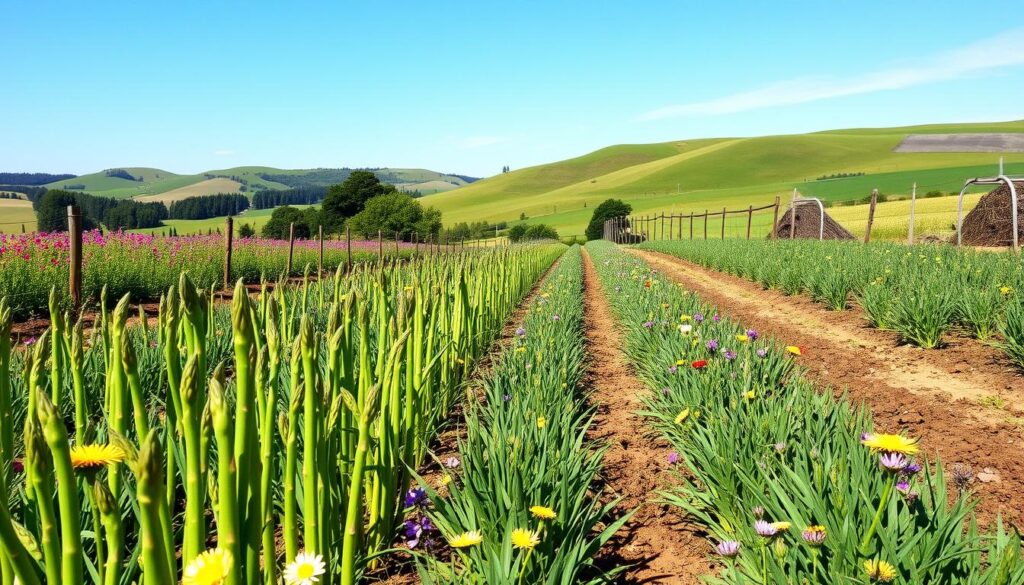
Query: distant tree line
{"type": "Point", "coordinates": [538, 231]}
{"type": "Point", "coordinates": [475, 230]}
{"type": "Point", "coordinates": [32, 178]}
{"type": "Point", "coordinates": [307, 195]}
{"type": "Point", "coordinates": [121, 174]}
{"type": "Point", "coordinates": [52, 211]}
{"type": "Point", "coordinates": [317, 178]}
{"type": "Point", "coordinates": [206, 206]}
{"type": "Point", "coordinates": [10, 195]}
{"type": "Point", "coordinates": [839, 176]}
{"type": "Point", "coordinates": [32, 193]}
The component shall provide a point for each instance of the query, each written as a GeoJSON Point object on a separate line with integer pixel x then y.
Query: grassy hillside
{"type": "Point", "coordinates": [151, 182]}
{"type": "Point", "coordinates": [709, 174]}
{"type": "Point", "coordinates": [254, 217]}
{"type": "Point", "coordinates": [14, 213]}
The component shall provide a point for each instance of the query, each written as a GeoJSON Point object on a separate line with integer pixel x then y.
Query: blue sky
{"type": "Point", "coordinates": [469, 87]}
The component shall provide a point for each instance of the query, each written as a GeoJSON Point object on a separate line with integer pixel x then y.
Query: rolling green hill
{"type": "Point", "coordinates": [149, 182]}
{"type": "Point", "coordinates": [732, 172]}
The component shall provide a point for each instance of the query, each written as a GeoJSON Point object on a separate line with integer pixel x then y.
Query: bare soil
{"type": "Point", "coordinates": [657, 542]}
{"type": "Point", "coordinates": [963, 400]}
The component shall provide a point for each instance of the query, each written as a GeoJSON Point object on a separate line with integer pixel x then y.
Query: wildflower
{"type": "Point", "coordinates": [742, 338]}
{"type": "Point", "coordinates": [305, 569]}
{"type": "Point", "coordinates": [712, 345]}
{"type": "Point", "coordinates": [556, 318]}
{"type": "Point", "coordinates": [1006, 290]}
{"type": "Point", "coordinates": [524, 539]}
{"type": "Point", "coordinates": [892, 461]}
{"type": "Point", "coordinates": [698, 318]}
{"type": "Point", "coordinates": [414, 497]}
{"type": "Point", "coordinates": [795, 350]}
{"type": "Point", "coordinates": [781, 526]}
{"type": "Point", "coordinates": [209, 568]}
{"type": "Point", "coordinates": [673, 458]}
{"type": "Point", "coordinates": [912, 469]}
{"type": "Point", "coordinates": [466, 539]}
{"type": "Point", "coordinates": [961, 475]}
{"type": "Point", "coordinates": [889, 443]}
{"type": "Point", "coordinates": [665, 390]}
{"type": "Point", "coordinates": [749, 395]}
{"type": "Point", "coordinates": [758, 512]}
{"type": "Point", "coordinates": [541, 421]}
{"type": "Point", "coordinates": [673, 369]}
{"type": "Point", "coordinates": [543, 512]}
{"type": "Point", "coordinates": [30, 340]}
{"type": "Point", "coordinates": [700, 364]}
{"type": "Point", "coordinates": [762, 352]}
{"type": "Point", "coordinates": [765, 529]}
{"type": "Point", "coordinates": [814, 535]}
{"type": "Point", "coordinates": [715, 318]}
{"type": "Point", "coordinates": [752, 334]}
{"type": "Point", "coordinates": [879, 570]}
{"type": "Point", "coordinates": [682, 416]}
{"type": "Point", "coordinates": [446, 479]}
{"type": "Point", "coordinates": [521, 349]}
{"type": "Point", "coordinates": [451, 462]}
{"type": "Point", "coordinates": [685, 329]}
{"type": "Point", "coordinates": [729, 354]}
{"type": "Point", "coordinates": [520, 332]}
{"type": "Point", "coordinates": [506, 397]}
{"type": "Point", "coordinates": [93, 457]}
{"type": "Point", "coordinates": [780, 447]}
{"type": "Point", "coordinates": [684, 318]}
{"type": "Point", "coordinates": [648, 324]}
{"type": "Point", "coordinates": [728, 548]}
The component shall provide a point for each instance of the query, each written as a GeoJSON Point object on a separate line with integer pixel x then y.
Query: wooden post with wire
{"type": "Point", "coordinates": [75, 251]}
{"type": "Point", "coordinates": [910, 228]}
{"type": "Point", "coordinates": [228, 235]}
{"type": "Point", "coordinates": [291, 250]}
{"type": "Point", "coordinates": [775, 220]}
{"type": "Point", "coordinates": [750, 219]}
{"type": "Point", "coordinates": [792, 216]}
{"type": "Point", "coordinates": [723, 223]}
{"type": "Point", "coordinates": [871, 215]}
{"type": "Point", "coordinates": [705, 224]}
{"type": "Point", "coordinates": [663, 225]}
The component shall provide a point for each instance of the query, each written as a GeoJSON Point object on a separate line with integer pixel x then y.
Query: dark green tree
{"type": "Point", "coordinates": [347, 199]}
{"type": "Point", "coordinates": [610, 208]}
{"type": "Point", "coordinates": [539, 231]}
{"type": "Point", "coordinates": [517, 232]}
{"type": "Point", "coordinates": [52, 212]}
{"type": "Point", "coordinates": [246, 230]}
{"type": "Point", "coordinates": [393, 213]}
{"type": "Point", "coordinates": [280, 221]}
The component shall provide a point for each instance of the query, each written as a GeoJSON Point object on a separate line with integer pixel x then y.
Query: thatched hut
{"type": "Point", "coordinates": [808, 224]}
{"type": "Point", "coordinates": [990, 223]}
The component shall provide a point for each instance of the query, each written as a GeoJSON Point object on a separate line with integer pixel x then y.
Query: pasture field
{"type": "Point", "coordinates": [185, 227]}
{"type": "Point", "coordinates": [14, 213]}
{"type": "Point", "coordinates": [733, 172]}
{"type": "Point", "coordinates": [206, 187]}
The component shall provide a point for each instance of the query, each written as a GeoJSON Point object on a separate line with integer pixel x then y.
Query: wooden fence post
{"type": "Point", "coordinates": [75, 269]}
{"type": "Point", "coordinates": [228, 234]}
{"type": "Point", "coordinates": [348, 246]}
{"type": "Point", "coordinates": [291, 249]}
{"type": "Point", "coordinates": [705, 224]}
{"type": "Point", "coordinates": [663, 225]}
{"type": "Point", "coordinates": [913, 202]}
{"type": "Point", "coordinates": [871, 215]}
{"type": "Point", "coordinates": [691, 225]}
{"type": "Point", "coordinates": [723, 223]}
{"type": "Point", "coordinates": [750, 219]}
{"type": "Point", "coordinates": [671, 226]}
{"type": "Point", "coordinates": [775, 219]}
{"type": "Point", "coordinates": [792, 216]}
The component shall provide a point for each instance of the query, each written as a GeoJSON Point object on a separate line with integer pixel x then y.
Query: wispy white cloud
{"type": "Point", "coordinates": [223, 152]}
{"type": "Point", "coordinates": [479, 141]}
{"type": "Point", "coordinates": [1003, 50]}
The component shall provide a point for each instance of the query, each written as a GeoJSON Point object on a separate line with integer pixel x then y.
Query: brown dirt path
{"type": "Point", "coordinates": [962, 400]}
{"type": "Point", "coordinates": [663, 548]}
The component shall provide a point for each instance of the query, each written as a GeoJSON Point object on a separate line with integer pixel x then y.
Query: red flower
{"type": "Point", "coordinates": [647, 284]}
{"type": "Point", "coordinates": [700, 364]}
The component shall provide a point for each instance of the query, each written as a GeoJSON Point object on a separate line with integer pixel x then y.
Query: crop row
{"type": "Point", "coordinates": [516, 504]}
{"type": "Point", "coordinates": [240, 446]}
{"type": "Point", "coordinates": [793, 485]}
{"type": "Point", "coordinates": [146, 266]}
{"type": "Point", "coordinates": [921, 292]}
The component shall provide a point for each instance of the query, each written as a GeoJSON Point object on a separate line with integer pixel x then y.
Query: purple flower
{"type": "Point", "coordinates": [414, 497]}
{"type": "Point", "coordinates": [728, 548]}
{"type": "Point", "coordinates": [30, 340]}
{"type": "Point", "coordinates": [911, 469]}
{"type": "Point", "coordinates": [814, 535]}
{"type": "Point", "coordinates": [648, 324]}
{"type": "Point", "coordinates": [712, 345]}
{"type": "Point", "coordinates": [892, 461]}
{"type": "Point", "coordinates": [673, 370]}
{"type": "Point", "coordinates": [520, 332]}
{"type": "Point", "coordinates": [762, 352]}
{"type": "Point", "coordinates": [780, 447]}
{"type": "Point", "coordinates": [752, 334]}
{"type": "Point", "coordinates": [729, 354]}
{"type": "Point", "coordinates": [451, 462]}
{"type": "Point", "coordinates": [698, 318]}
{"type": "Point", "coordinates": [903, 485]}
{"type": "Point", "coordinates": [765, 529]}
{"type": "Point", "coordinates": [715, 318]}
{"type": "Point", "coordinates": [556, 318]}
{"type": "Point", "coordinates": [507, 397]}
{"type": "Point", "coordinates": [673, 458]}
{"type": "Point", "coordinates": [665, 390]}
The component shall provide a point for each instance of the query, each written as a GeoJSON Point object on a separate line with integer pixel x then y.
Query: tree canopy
{"type": "Point", "coordinates": [538, 231]}
{"type": "Point", "coordinates": [280, 222]}
{"type": "Point", "coordinates": [347, 199]}
{"type": "Point", "coordinates": [609, 209]}
{"type": "Point", "coordinates": [395, 213]}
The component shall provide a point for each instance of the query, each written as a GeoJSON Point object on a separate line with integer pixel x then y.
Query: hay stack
{"type": "Point", "coordinates": [808, 221]}
{"type": "Point", "coordinates": [991, 222]}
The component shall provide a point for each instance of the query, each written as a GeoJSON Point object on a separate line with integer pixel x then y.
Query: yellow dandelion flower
{"type": "Point", "coordinates": [525, 539]}
{"type": "Point", "coordinates": [520, 349]}
{"type": "Point", "coordinates": [543, 512]}
{"type": "Point", "coordinates": [742, 338]}
{"type": "Point", "coordinates": [879, 570]}
{"type": "Point", "coordinates": [541, 422]}
{"type": "Point", "coordinates": [1006, 290]}
{"type": "Point", "coordinates": [749, 395]}
{"type": "Point", "coordinates": [209, 568]}
{"type": "Point", "coordinates": [93, 457]}
{"type": "Point", "coordinates": [446, 479]}
{"type": "Point", "coordinates": [685, 318]}
{"type": "Point", "coordinates": [466, 539]}
{"type": "Point", "coordinates": [682, 416]}
{"type": "Point", "coordinates": [890, 443]}
{"type": "Point", "coordinates": [781, 526]}
{"type": "Point", "coordinates": [794, 349]}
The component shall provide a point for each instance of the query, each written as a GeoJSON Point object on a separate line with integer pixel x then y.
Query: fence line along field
{"type": "Point", "coordinates": [15, 214]}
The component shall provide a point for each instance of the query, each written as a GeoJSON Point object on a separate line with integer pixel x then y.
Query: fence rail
{"type": "Point", "coordinates": [633, 229]}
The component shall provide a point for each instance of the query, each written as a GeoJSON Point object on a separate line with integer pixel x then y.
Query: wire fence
{"type": "Point", "coordinates": [751, 222]}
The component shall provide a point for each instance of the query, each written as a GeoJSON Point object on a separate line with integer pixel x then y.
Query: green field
{"type": "Point", "coordinates": [695, 175]}
{"type": "Point", "coordinates": [157, 181]}
{"type": "Point", "coordinates": [15, 213]}
{"type": "Point", "coordinates": [254, 217]}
